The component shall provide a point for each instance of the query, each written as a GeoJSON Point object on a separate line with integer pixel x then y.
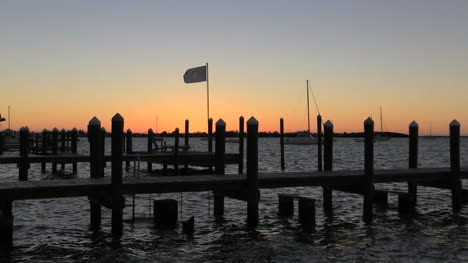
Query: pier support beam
{"type": "Point", "coordinates": [328, 163]}
{"type": "Point", "coordinates": [6, 227]}
{"type": "Point", "coordinates": [116, 175]}
{"type": "Point", "coordinates": [74, 148]}
{"type": "Point", "coordinates": [94, 138]}
{"type": "Point", "coordinates": [241, 145]}
{"type": "Point", "coordinates": [282, 143]}
{"type": "Point", "coordinates": [307, 213]}
{"type": "Point", "coordinates": [55, 133]}
{"type": "Point", "coordinates": [129, 148]}
{"type": "Point", "coordinates": [44, 148]}
{"type": "Point", "coordinates": [24, 164]}
{"type": "Point", "coordinates": [165, 212]}
{"type": "Point", "coordinates": [149, 165]}
{"type": "Point", "coordinates": [220, 152]}
{"type": "Point", "coordinates": [413, 156]}
{"type": "Point", "coordinates": [454, 179]}
{"type": "Point", "coordinates": [252, 172]}
{"type": "Point", "coordinates": [368, 169]}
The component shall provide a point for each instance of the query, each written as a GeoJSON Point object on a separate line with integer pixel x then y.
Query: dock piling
{"type": "Point", "coordinates": [241, 145]}
{"type": "Point", "coordinates": [454, 179]}
{"type": "Point", "coordinates": [413, 156]}
{"type": "Point", "coordinates": [55, 133]}
{"type": "Point", "coordinates": [220, 150]}
{"type": "Point", "coordinates": [129, 148]}
{"type": "Point", "coordinates": [24, 165]}
{"type": "Point", "coordinates": [44, 148]}
{"type": "Point", "coordinates": [252, 172]}
{"type": "Point", "coordinates": [94, 138]}
{"type": "Point", "coordinates": [282, 143]}
{"type": "Point", "coordinates": [149, 165]}
{"type": "Point", "coordinates": [328, 165]}
{"type": "Point", "coordinates": [319, 142]}
{"type": "Point", "coordinates": [368, 169]}
{"type": "Point", "coordinates": [116, 175]}
{"type": "Point", "coordinates": [74, 148]}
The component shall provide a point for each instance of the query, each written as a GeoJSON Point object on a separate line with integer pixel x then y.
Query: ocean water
{"type": "Point", "coordinates": [57, 230]}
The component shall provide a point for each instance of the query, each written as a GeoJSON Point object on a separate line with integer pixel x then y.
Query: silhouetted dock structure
{"type": "Point", "coordinates": [109, 192]}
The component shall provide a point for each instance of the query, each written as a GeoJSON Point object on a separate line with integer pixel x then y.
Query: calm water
{"type": "Point", "coordinates": [57, 229]}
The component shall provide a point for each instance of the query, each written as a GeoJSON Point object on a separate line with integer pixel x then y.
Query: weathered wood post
{"type": "Point", "coordinates": [368, 169]}
{"type": "Point", "coordinates": [307, 213]}
{"type": "Point", "coordinates": [165, 212]}
{"type": "Point", "coordinates": [24, 165]}
{"type": "Point", "coordinates": [285, 205]}
{"type": "Point", "coordinates": [328, 165]}
{"type": "Point", "coordinates": [186, 140]}
{"type": "Point", "coordinates": [413, 156]}
{"type": "Point", "coordinates": [319, 142]}
{"type": "Point", "coordinates": [6, 228]}
{"type": "Point", "coordinates": [220, 151]}
{"type": "Point", "coordinates": [116, 174]}
{"type": "Point", "coordinates": [455, 182]}
{"type": "Point", "coordinates": [102, 158]}
{"type": "Point", "coordinates": [44, 148]}
{"type": "Point", "coordinates": [94, 138]}
{"type": "Point", "coordinates": [74, 148]}
{"type": "Point", "coordinates": [149, 164]}
{"type": "Point", "coordinates": [36, 141]}
{"type": "Point", "coordinates": [54, 148]}
{"type": "Point", "coordinates": [252, 172]}
{"type": "Point", "coordinates": [176, 151]}
{"type": "Point", "coordinates": [129, 148]}
{"type": "Point", "coordinates": [241, 145]}
{"type": "Point", "coordinates": [210, 138]}
{"type": "Point", "coordinates": [62, 145]}
{"type": "Point", "coordinates": [282, 142]}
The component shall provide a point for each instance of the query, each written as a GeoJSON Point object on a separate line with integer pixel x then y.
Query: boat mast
{"type": "Point", "coordinates": [308, 112]}
{"type": "Point", "coordinates": [8, 117]}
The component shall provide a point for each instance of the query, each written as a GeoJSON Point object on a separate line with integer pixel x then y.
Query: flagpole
{"type": "Point", "coordinates": [207, 94]}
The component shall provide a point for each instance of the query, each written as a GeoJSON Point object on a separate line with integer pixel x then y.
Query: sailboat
{"type": "Point", "coordinates": [430, 132]}
{"type": "Point", "coordinates": [303, 138]}
{"type": "Point", "coordinates": [380, 137]}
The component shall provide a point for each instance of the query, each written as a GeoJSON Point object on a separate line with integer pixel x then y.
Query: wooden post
{"type": "Point", "coordinates": [406, 204]}
{"type": "Point", "coordinates": [219, 163]}
{"type": "Point", "coordinates": [176, 151]}
{"type": "Point", "coordinates": [165, 212]}
{"type": "Point", "coordinates": [210, 135]}
{"type": "Point", "coordinates": [6, 228]}
{"type": "Point", "coordinates": [252, 172]}
{"type": "Point", "coordinates": [116, 175]}
{"type": "Point", "coordinates": [44, 148]}
{"type": "Point", "coordinates": [282, 142]}
{"type": "Point", "coordinates": [307, 213]}
{"type": "Point", "coordinates": [285, 205]}
{"type": "Point", "coordinates": [129, 148]}
{"type": "Point", "coordinates": [62, 145]}
{"type": "Point", "coordinates": [413, 156]}
{"type": "Point", "coordinates": [74, 148]}
{"type": "Point", "coordinates": [94, 138]}
{"type": "Point", "coordinates": [149, 164]}
{"type": "Point", "coordinates": [186, 141]}
{"type": "Point", "coordinates": [328, 163]}
{"type": "Point", "coordinates": [368, 169]}
{"type": "Point", "coordinates": [24, 165]}
{"type": "Point", "coordinates": [54, 148]}
{"type": "Point", "coordinates": [241, 145]}
{"type": "Point", "coordinates": [102, 158]}
{"type": "Point", "coordinates": [319, 142]}
{"type": "Point", "coordinates": [455, 182]}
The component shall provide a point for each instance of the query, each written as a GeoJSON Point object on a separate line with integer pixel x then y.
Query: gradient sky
{"type": "Point", "coordinates": [63, 62]}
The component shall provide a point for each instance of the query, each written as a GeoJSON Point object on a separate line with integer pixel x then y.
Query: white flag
{"type": "Point", "coordinates": [193, 75]}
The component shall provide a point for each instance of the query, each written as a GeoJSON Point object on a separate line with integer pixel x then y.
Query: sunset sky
{"type": "Point", "coordinates": [63, 62]}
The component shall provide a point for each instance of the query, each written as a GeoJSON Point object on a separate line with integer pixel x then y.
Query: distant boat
{"type": "Point", "coordinates": [303, 138]}
{"type": "Point", "coordinates": [430, 132]}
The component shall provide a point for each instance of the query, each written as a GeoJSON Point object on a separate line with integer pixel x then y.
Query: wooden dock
{"type": "Point", "coordinates": [109, 191]}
